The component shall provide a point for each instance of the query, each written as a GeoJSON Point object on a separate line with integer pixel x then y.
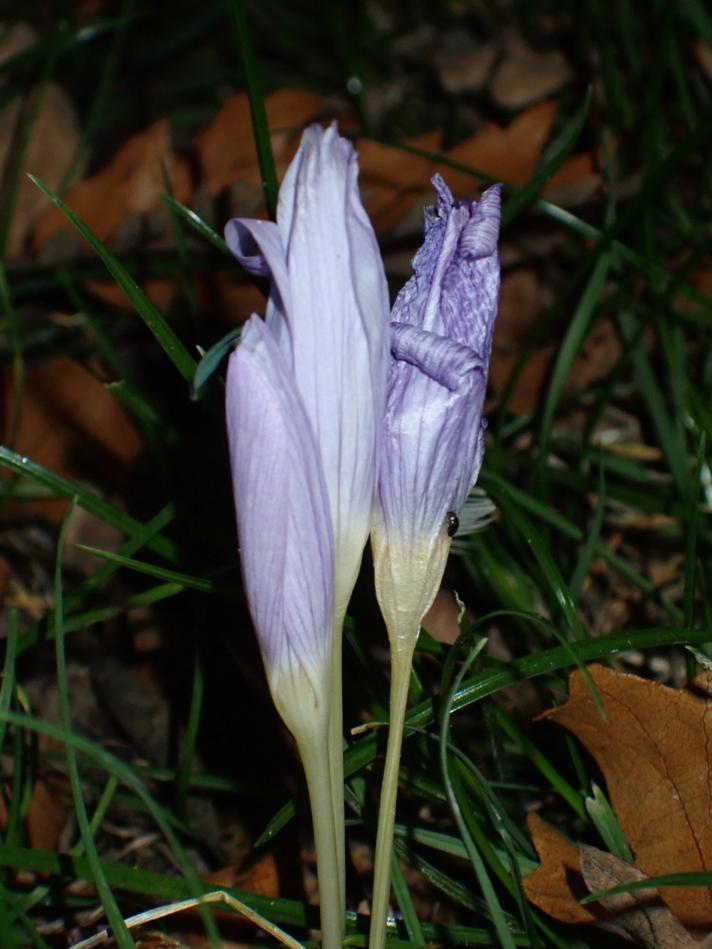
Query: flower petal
{"type": "Point", "coordinates": [283, 516]}
{"type": "Point", "coordinates": [330, 292]}
{"type": "Point", "coordinates": [433, 444]}
{"type": "Point", "coordinates": [455, 287]}
{"type": "Point", "coordinates": [338, 316]}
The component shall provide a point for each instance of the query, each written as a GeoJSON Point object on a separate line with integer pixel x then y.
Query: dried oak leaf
{"type": "Point", "coordinates": [567, 873]}
{"type": "Point", "coordinates": [654, 750]}
{"type": "Point", "coordinates": [70, 423]}
{"type": "Point", "coordinates": [128, 185]}
{"type": "Point", "coordinates": [226, 148]}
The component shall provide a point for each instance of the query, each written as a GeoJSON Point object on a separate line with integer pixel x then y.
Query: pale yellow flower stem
{"type": "Point", "coordinates": [401, 661]}
{"type": "Point", "coordinates": [336, 757]}
{"type": "Point", "coordinates": [314, 755]}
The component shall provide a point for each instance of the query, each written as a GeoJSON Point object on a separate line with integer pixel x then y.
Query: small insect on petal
{"type": "Point", "coordinates": [453, 523]}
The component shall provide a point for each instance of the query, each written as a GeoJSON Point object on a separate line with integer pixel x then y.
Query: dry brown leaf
{"type": "Point", "coordinates": [525, 76]}
{"type": "Point", "coordinates": [637, 915]}
{"type": "Point", "coordinates": [507, 154]}
{"type": "Point", "coordinates": [393, 179]}
{"type": "Point", "coordinates": [129, 184]}
{"type": "Point", "coordinates": [226, 148]}
{"type": "Point", "coordinates": [71, 424]}
{"type": "Point", "coordinates": [50, 148]}
{"type": "Point", "coordinates": [654, 751]}
{"type": "Point", "coordinates": [462, 63]}
{"type": "Point", "coordinates": [703, 51]}
{"type": "Point", "coordinates": [442, 620]}
{"type": "Point", "coordinates": [567, 873]}
{"type": "Point", "coordinates": [262, 877]}
{"type": "Point", "coordinates": [47, 816]}
{"type": "Point", "coordinates": [556, 886]}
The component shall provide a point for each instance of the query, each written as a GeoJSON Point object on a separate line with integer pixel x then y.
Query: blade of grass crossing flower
{"type": "Point", "coordinates": [260, 127]}
{"type": "Point", "coordinates": [62, 487]}
{"type": "Point", "coordinates": [154, 320]}
{"type": "Point", "coordinates": [197, 223]}
{"type": "Point", "coordinates": [113, 914]}
{"type": "Point", "coordinates": [212, 359]}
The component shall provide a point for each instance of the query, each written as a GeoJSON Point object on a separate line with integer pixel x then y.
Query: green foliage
{"type": "Point", "coordinates": [582, 520]}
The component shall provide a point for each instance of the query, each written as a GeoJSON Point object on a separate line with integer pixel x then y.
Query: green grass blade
{"type": "Point", "coordinates": [197, 223]}
{"type": "Point", "coordinates": [106, 895]}
{"type": "Point", "coordinates": [62, 487]}
{"type": "Point", "coordinates": [560, 151]}
{"type": "Point", "coordinates": [154, 320]}
{"type": "Point", "coordinates": [260, 127]}
{"type": "Point", "coordinates": [212, 359]}
{"type": "Point", "coordinates": [570, 347]}
{"type": "Point", "coordinates": [152, 570]}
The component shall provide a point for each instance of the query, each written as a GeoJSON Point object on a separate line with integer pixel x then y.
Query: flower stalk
{"type": "Point", "coordinates": [433, 445]}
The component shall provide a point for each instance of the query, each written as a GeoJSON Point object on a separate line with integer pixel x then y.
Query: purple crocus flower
{"type": "Point", "coordinates": [284, 527]}
{"type": "Point", "coordinates": [433, 445]}
{"type": "Point", "coordinates": [328, 314]}
{"type": "Point", "coordinates": [306, 397]}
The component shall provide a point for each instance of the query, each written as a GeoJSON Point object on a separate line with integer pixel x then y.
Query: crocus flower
{"type": "Point", "coordinates": [328, 312]}
{"type": "Point", "coordinates": [305, 405]}
{"type": "Point", "coordinates": [433, 444]}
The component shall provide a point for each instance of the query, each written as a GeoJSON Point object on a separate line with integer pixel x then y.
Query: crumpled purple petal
{"type": "Point", "coordinates": [433, 444]}
{"type": "Point", "coordinates": [284, 524]}
{"type": "Point", "coordinates": [328, 310]}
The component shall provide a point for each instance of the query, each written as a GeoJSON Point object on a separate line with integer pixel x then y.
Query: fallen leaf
{"type": "Point", "coordinates": [462, 63]}
{"type": "Point", "coordinates": [655, 753]}
{"type": "Point", "coordinates": [442, 620]}
{"type": "Point", "coordinates": [47, 816]}
{"type": "Point", "coordinates": [637, 915]}
{"type": "Point", "coordinates": [70, 423]}
{"type": "Point", "coordinates": [557, 885]}
{"type": "Point", "coordinates": [508, 154]}
{"type": "Point", "coordinates": [261, 877]}
{"type": "Point", "coordinates": [226, 148]}
{"type": "Point", "coordinates": [525, 76]}
{"type": "Point", "coordinates": [128, 185]}
{"type": "Point", "coordinates": [51, 145]}
{"type": "Point", "coordinates": [567, 873]}
{"type": "Point", "coordinates": [392, 179]}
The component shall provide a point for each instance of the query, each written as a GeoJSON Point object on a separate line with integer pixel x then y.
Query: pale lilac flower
{"type": "Point", "coordinates": [284, 527]}
{"type": "Point", "coordinates": [328, 313]}
{"type": "Point", "coordinates": [433, 442]}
